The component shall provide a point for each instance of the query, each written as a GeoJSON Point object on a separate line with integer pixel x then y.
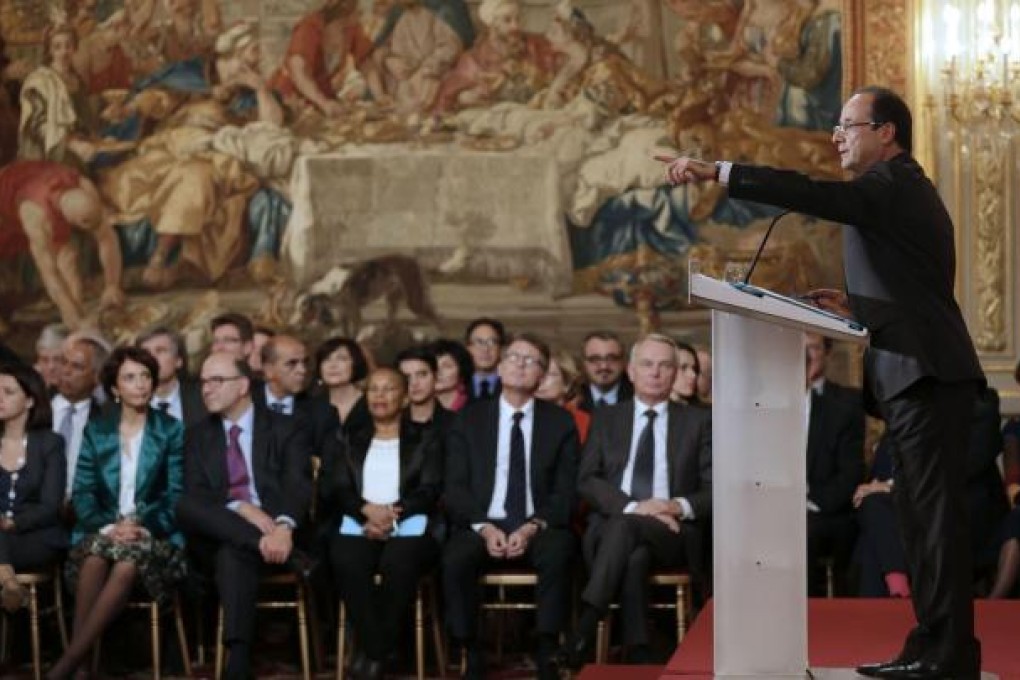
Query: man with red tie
{"type": "Point", "coordinates": [247, 483]}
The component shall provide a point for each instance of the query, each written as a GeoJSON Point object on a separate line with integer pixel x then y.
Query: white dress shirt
{"type": "Point", "coordinates": [286, 402]}
{"type": "Point", "coordinates": [174, 405]}
{"type": "Point", "coordinates": [610, 396]}
{"type": "Point", "coordinates": [381, 472]}
{"type": "Point", "coordinates": [660, 478]}
{"type": "Point", "coordinates": [506, 424]}
{"type": "Point", "coordinates": [60, 406]}
{"type": "Point", "coordinates": [130, 452]}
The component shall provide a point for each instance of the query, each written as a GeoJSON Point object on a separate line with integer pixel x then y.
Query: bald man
{"type": "Point", "coordinates": [247, 485]}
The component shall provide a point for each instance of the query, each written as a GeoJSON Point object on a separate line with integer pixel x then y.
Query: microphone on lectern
{"type": "Point", "coordinates": [761, 246]}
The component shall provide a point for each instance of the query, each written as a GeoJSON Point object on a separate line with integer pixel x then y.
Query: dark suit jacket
{"type": "Point", "coordinates": [96, 491]}
{"type": "Point", "coordinates": [281, 458]}
{"type": "Point", "coordinates": [688, 457]}
{"type": "Point", "coordinates": [341, 479]}
{"type": "Point", "coordinates": [192, 406]}
{"type": "Point", "coordinates": [474, 395]}
{"type": "Point", "coordinates": [471, 463]}
{"type": "Point", "coordinates": [626, 392]}
{"type": "Point", "coordinates": [323, 420]}
{"type": "Point", "coordinates": [39, 494]}
{"type": "Point", "coordinates": [900, 263]}
{"type": "Point", "coordinates": [835, 450]}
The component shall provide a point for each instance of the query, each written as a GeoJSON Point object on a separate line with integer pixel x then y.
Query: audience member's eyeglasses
{"type": "Point", "coordinates": [604, 358]}
{"type": "Point", "coordinates": [484, 342]}
{"type": "Point", "coordinates": [218, 381]}
{"type": "Point", "coordinates": [525, 360]}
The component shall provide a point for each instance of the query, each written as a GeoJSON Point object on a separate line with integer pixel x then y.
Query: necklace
{"type": "Point", "coordinates": [11, 493]}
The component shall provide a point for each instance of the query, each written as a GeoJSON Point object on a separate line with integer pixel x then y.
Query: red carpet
{"type": "Point", "coordinates": [845, 633]}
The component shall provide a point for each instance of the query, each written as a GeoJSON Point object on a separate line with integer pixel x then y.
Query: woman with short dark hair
{"type": "Point", "coordinates": [32, 473]}
{"type": "Point", "coordinates": [129, 477]}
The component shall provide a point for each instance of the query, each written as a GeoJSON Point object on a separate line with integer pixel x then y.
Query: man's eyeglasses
{"type": "Point", "coordinates": [218, 381]}
{"type": "Point", "coordinates": [843, 128]}
{"type": "Point", "coordinates": [525, 360]}
{"type": "Point", "coordinates": [484, 342]}
{"type": "Point", "coordinates": [604, 358]}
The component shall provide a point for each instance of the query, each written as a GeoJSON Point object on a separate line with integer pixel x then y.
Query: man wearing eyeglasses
{"type": "Point", "coordinates": [646, 472]}
{"type": "Point", "coordinates": [921, 371]}
{"type": "Point", "coordinates": [604, 361]}
{"type": "Point", "coordinates": [247, 485]}
{"type": "Point", "coordinates": [484, 338]}
{"type": "Point", "coordinates": [284, 361]}
{"type": "Point", "coordinates": [511, 466]}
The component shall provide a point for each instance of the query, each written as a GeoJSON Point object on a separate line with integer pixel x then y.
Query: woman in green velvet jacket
{"type": "Point", "coordinates": [129, 476]}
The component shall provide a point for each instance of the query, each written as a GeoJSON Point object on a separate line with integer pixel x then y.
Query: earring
{"type": "Point", "coordinates": [116, 398]}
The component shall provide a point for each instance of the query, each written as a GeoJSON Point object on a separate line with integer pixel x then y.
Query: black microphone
{"type": "Point", "coordinates": [761, 246]}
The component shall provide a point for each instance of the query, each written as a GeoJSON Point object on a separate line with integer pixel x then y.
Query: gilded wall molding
{"type": "Point", "coordinates": [882, 43]}
{"type": "Point", "coordinates": [988, 264]}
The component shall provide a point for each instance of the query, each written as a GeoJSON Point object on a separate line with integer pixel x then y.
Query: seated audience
{"type": "Point", "coordinates": [174, 394]}
{"type": "Point", "coordinates": [32, 471]}
{"type": "Point", "coordinates": [130, 475]}
{"type": "Point", "coordinates": [835, 466]}
{"type": "Point", "coordinates": [455, 369]}
{"type": "Point", "coordinates": [502, 514]}
{"type": "Point", "coordinates": [232, 333]}
{"type": "Point", "coordinates": [880, 551]}
{"type": "Point", "coordinates": [688, 368]}
{"type": "Point", "coordinates": [259, 339]}
{"type": "Point", "coordinates": [247, 487]}
{"type": "Point", "coordinates": [560, 385]}
{"type": "Point", "coordinates": [419, 367]}
{"type": "Point", "coordinates": [75, 403]}
{"type": "Point", "coordinates": [603, 368]}
{"type": "Point", "coordinates": [705, 376]}
{"type": "Point", "coordinates": [340, 368]}
{"type": "Point", "coordinates": [484, 338]}
{"type": "Point", "coordinates": [285, 369]}
{"type": "Point", "coordinates": [49, 350]}
{"type": "Point", "coordinates": [379, 488]}
{"type": "Point", "coordinates": [646, 473]}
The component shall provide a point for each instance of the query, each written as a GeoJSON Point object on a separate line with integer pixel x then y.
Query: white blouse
{"type": "Point", "coordinates": [130, 451]}
{"type": "Point", "coordinates": [381, 472]}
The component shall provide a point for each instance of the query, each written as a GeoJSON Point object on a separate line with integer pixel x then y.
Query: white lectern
{"type": "Point", "coordinates": [759, 486]}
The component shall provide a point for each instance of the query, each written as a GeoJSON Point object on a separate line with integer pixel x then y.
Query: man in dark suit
{"type": "Point", "coordinates": [285, 367]}
{"type": "Point", "coordinates": [247, 486]}
{"type": "Point", "coordinates": [174, 393]}
{"type": "Point", "coordinates": [511, 467]}
{"type": "Point", "coordinates": [606, 381]}
{"type": "Point", "coordinates": [75, 403]}
{"type": "Point", "coordinates": [920, 371]}
{"type": "Point", "coordinates": [485, 338]}
{"type": "Point", "coordinates": [835, 466]}
{"type": "Point", "coordinates": [646, 472]}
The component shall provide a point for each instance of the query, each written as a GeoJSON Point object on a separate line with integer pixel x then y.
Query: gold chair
{"type": "Point", "coordinates": [501, 580]}
{"type": "Point", "coordinates": [31, 582]}
{"type": "Point", "coordinates": [299, 603]}
{"type": "Point", "coordinates": [426, 589]}
{"type": "Point", "coordinates": [154, 617]}
{"type": "Point", "coordinates": [681, 604]}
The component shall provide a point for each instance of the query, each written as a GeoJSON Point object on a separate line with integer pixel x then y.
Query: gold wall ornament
{"type": "Point", "coordinates": [887, 43]}
{"type": "Point", "coordinates": [989, 239]}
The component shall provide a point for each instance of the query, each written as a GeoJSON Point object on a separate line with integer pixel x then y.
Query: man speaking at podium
{"type": "Point", "coordinates": [921, 370]}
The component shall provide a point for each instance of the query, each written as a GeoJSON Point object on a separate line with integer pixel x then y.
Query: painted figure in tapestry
{"type": "Point", "coordinates": [173, 135]}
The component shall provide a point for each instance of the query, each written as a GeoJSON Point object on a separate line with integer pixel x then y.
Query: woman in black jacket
{"type": "Point", "coordinates": [380, 487]}
{"type": "Point", "coordinates": [32, 473]}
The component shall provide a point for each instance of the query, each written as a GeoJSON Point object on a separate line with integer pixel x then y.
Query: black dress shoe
{"type": "Point", "coordinates": [373, 670]}
{"type": "Point", "coordinates": [872, 670]}
{"type": "Point", "coordinates": [926, 670]}
{"type": "Point", "coordinates": [574, 653]}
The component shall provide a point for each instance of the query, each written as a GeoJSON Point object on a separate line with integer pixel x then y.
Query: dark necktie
{"type": "Point", "coordinates": [67, 425]}
{"type": "Point", "coordinates": [601, 402]}
{"type": "Point", "coordinates": [516, 505]}
{"type": "Point", "coordinates": [237, 469]}
{"type": "Point", "coordinates": [163, 406]}
{"type": "Point", "coordinates": [278, 407]}
{"type": "Point", "coordinates": [484, 389]}
{"type": "Point", "coordinates": [644, 461]}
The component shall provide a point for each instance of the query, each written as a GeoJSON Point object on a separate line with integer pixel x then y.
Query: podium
{"type": "Point", "coordinates": [759, 482]}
